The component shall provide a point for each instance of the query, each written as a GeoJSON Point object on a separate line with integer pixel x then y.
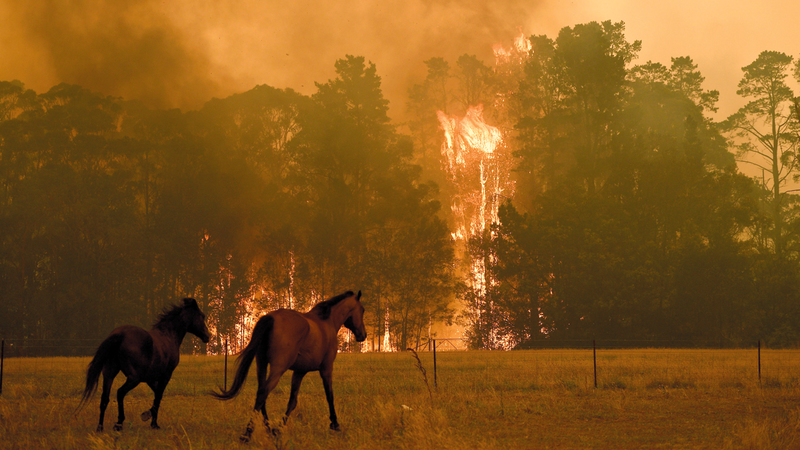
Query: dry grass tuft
{"type": "Point", "coordinates": [769, 433]}
{"type": "Point", "coordinates": [423, 371]}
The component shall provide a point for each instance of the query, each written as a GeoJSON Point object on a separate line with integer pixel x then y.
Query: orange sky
{"type": "Point", "coordinates": [183, 52]}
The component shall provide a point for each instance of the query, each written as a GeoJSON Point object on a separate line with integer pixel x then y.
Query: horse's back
{"type": "Point", "coordinates": [135, 351]}
{"type": "Point", "coordinates": [288, 327]}
{"type": "Point", "coordinates": [291, 339]}
{"type": "Point", "coordinates": [305, 341]}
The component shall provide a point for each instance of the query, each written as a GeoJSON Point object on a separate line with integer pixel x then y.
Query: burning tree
{"type": "Point", "coordinates": [477, 163]}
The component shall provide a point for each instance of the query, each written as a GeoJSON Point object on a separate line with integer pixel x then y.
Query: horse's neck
{"type": "Point", "coordinates": [175, 332]}
{"type": "Point", "coordinates": [339, 315]}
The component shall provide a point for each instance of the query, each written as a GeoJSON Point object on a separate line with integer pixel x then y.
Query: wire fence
{"type": "Point", "coordinates": [462, 344]}
{"type": "Point", "coordinates": [599, 361]}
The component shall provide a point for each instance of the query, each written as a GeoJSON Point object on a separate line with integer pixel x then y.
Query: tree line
{"type": "Point", "coordinates": [629, 217]}
{"type": "Point", "coordinates": [111, 211]}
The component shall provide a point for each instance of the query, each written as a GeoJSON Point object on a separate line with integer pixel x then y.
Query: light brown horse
{"type": "Point", "coordinates": [301, 342]}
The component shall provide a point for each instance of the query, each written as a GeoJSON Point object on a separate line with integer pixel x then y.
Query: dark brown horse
{"type": "Point", "coordinates": [144, 357]}
{"type": "Point", "coordinates": [301, 342]}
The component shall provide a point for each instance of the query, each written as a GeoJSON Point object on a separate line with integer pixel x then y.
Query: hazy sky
{"type": "Point", "coordinates": [180, 53]}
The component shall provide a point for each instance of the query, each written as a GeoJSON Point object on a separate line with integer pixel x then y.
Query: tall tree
{"type": "Point", "coordinates": [474, 81]}
{"type": "Point", "coordinates": [593, 59]}
{"type": "Point", "coordinates": [765, 134]}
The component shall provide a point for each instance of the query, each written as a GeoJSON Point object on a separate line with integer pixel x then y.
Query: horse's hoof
{"type": "Point", "coordinates": [155, 426]}
{"type": "Point", "coordinates": [146, 415]}
{"type": "Point", "coordinates": [244, 439]}
{"type": "Point", "coordinates": [99, 428]}
{"type": "Point", "coordinates": [117, 427]}
{"type": "Point", "coordinates": [335, 427]}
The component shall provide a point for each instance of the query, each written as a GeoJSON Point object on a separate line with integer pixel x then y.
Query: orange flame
{"type": "Point", "coordinates": [516, 53]}
{"type": "Point", "coordinates": [479, 165]}
{"type": "Point", "coordinates": [469, 143]}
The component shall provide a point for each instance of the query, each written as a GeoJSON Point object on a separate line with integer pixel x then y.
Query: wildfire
{"type": "Point", "coordinates": [516, 53]}
{"type": "Point", "coordinates": [479, 164]}
{"type": "Point", "coordinates": [470, 144]}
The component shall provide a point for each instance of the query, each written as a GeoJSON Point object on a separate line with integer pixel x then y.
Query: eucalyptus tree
{"type": "Point", "coordinates": [765, 133]}
{"type": "Point", "coordinates": [366, 201]}
{"type": "Point", "coordinates": [475, 82]}
{"type": "Point", "coordinates": [634, 190]}
{"type": "Point", "coordinates": [592, 58]}
{"type": "Point", "coordinates": [67, 212]}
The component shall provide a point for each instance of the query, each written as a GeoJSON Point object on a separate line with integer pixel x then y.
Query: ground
{"type": "Point", "coordinates": [538, 399]}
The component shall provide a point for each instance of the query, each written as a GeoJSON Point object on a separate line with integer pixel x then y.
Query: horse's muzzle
{"type": "Point", "coordinates": [361, 337]}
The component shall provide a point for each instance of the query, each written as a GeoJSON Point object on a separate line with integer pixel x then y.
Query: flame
{"type": "Point", "coordinates": [478, 162]}
{"type": "Point", "coordinates": [516, 53]}
{"type": "Point", "coordinates": [472, 143]}
{"type": "Point", "coordinates": [387, 347]}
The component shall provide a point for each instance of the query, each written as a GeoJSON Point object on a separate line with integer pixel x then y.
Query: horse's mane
{"type": "Point", "coordinates": [323, 308]}
{"type": "Point", "coordinates": [168, 316]}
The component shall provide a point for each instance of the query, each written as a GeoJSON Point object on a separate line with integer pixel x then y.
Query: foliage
{"type": "Point", "coordinates": [265, 199]}
{"type": "Point", "coordinates": [630, 219]}
{"type": "Point", "coordinates": [765, 131]}
{"type": "Point", "coordinates": [627, 217]}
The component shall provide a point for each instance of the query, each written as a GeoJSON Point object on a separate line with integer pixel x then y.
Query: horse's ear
{"type": "Point", "coordinates": [190, 302]}
{"type": "Point", "coordinates": [358, 296]}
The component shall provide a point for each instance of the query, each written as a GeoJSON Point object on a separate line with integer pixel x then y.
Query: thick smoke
{"type": "Point", "coordinates": [183, 52]}
{"type": "Point", "coordinates": [180, 53]}
{"type": "Point", "coordinates": [124, 48]}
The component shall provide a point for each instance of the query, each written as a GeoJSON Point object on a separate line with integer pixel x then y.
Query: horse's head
{"type": "Point", "coordinates": [355, 321]}
{"type": "Point", "coordinates": [195, 319]}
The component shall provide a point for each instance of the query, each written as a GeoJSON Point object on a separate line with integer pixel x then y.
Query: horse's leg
{"type": "Point", "coordinates": [158, 388]}
{"type": "Point", "coordinates": [327, 382]}
{"type": "Point", "coordinates": [108, 380]}
{"type": "Point", "coordinates": [276, 370]}
{"type": "Point", "coordinates": [148, 414]}
{"type": "Point", "coordinates": [261, 396]}
{"type": "Point", "coordinates": [130, 383]}
{"type": "Point", "coordinates": [297, 378]}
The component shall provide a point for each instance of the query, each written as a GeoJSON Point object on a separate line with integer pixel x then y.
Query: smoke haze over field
{"type": "Point", "coordinates": [182, 53]}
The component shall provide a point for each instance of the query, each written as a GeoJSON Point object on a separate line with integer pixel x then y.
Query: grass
{"type": "Point", "coordinates": [537, 399]}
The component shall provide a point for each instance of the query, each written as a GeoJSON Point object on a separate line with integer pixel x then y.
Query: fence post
{"type": "Point", "coordinates": [435, 380]}
{"type": "Point", "coordinates": [594, 357]}
{"type": "Point", "coordinates": [759, 362]}
{"type": "Point", "coordinates": [2, 360]}
{"type": "Point", "coordinates": [226, 364]}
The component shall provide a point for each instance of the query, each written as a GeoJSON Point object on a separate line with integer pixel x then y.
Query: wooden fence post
{"type": "Point", "coordinates": [759, 362]}
{"type": "Point", "coordinates": [435, 380]}
{"type": "Point", "coordinates": [594, 357]}
{"type": "Point", "coordinates": [226, 364]}
{"type": "Point", "coordinates": [2, 360]}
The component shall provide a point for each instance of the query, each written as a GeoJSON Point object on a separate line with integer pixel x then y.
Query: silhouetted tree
{"type": "Point", "coordinates": [765, 134]}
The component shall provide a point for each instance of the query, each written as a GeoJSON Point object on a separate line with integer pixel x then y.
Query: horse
{"type": "Point", "coordinates": [302, 342]}
{"type": "Point", "coordinates": [143, 357]}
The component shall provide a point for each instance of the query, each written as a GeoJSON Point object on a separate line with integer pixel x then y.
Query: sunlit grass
{"type": "Point", "coordinates": [649, 398]}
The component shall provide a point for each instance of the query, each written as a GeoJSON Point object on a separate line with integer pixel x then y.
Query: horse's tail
{"type": "Point", "coordinates": [107, 348]}
{"type": "Point", "coordinates": [258, 342]}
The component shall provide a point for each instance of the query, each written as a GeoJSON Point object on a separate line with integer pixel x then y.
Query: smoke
{"type": "Point", "coordinates": [183, 52]}
{"type": "Point", "coordinates": [123, 48]}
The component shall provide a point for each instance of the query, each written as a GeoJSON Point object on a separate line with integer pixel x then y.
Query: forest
{"type": "Point", "coordinates": [561, 192]}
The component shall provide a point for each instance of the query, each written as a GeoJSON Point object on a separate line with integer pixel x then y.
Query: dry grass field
{"type": "Point", "coordinates": [540, 399]}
